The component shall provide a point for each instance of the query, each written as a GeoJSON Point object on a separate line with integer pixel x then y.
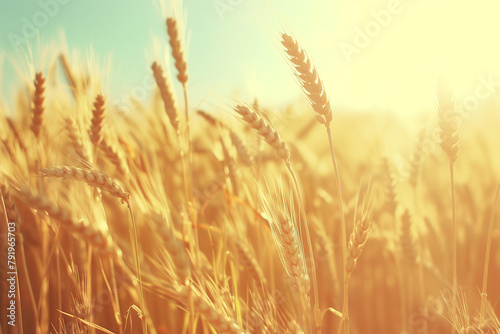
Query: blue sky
{"type": "Point", "coordinates": [235, 53]}
{"type": "Point", "coordinates": [232, 51]}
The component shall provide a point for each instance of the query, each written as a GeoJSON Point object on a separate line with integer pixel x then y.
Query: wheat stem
{"type": "Point", "coordinates": [345, 303]}
{"type": "Point", "coordinates": [484, 294]}
{"type": "Point", "coordinates": [455, 236]}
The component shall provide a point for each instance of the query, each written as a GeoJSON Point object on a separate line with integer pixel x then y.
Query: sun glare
{"type": "Point", "coordinates": [395, 50]}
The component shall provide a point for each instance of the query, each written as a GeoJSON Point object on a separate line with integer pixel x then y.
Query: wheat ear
{"type": "Point", "coordinates": [265, 130]}
{"type": "Point", "coordinates": [115, 156]}
{"type": "Point", "coordinates": [416, 158]}
{"type": "Point", "coordinates": [291, 250]}
{"type": "Point", "coordinates": [172, 244]}
{"type": "Point", "coordinates": [241, 149]}
{"type": "Point", "coordinates": [357, 241]}
{"type": "Point", "coordinates": [210, 119]}
{"type": "Point", "coordinates": [177, 50]}
{"type": "Point", "coordinates": [191, 297]}
{"type": "Point", "coordinates": [250, 263]}
{"type": "Point", "coordinates": [449, 137]}
{"type": "Point", "coordinates": [92, 177]}
{"type": "Point", "coordinates": [38, 105]}
{"type": "Point", "coordinates": [406, 241]}
{"type": "Point", "coordinates": [98, 179]}
{"type": "Point", "coordinates": [391, 203]}
{"type": "Point", "coordinates": [95, 237]}
{"type": "Point", "coordinates": [76, 139]}
{"type": "Point", "coordinates": [96, 133]}
{"type": "Point", "coordinates": [287, 240]}
{"type": "Point", "coordinates": [166, 95]}
{"type": "Point", "coordinates": [308, 78]}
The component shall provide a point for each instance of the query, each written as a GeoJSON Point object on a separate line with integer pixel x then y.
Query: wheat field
{"type": "Point", "coordinates": [176, 218]}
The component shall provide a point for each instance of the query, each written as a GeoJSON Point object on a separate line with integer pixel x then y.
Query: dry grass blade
{"type": "Point", "coordinates": [68, 73]}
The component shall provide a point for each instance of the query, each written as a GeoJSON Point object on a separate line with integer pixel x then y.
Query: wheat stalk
{"type": "Point", "coordinates": [449, 136]}
{"type": "Point", "coordinates": [187, 154]}
{"type": "Point", "coordinates": [450, 144]}
{"type": "Point", "coordinates": [313, 88]}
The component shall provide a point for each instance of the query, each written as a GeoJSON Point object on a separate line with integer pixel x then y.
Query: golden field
{"type": "Point", "coordinates": [174, 219]}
